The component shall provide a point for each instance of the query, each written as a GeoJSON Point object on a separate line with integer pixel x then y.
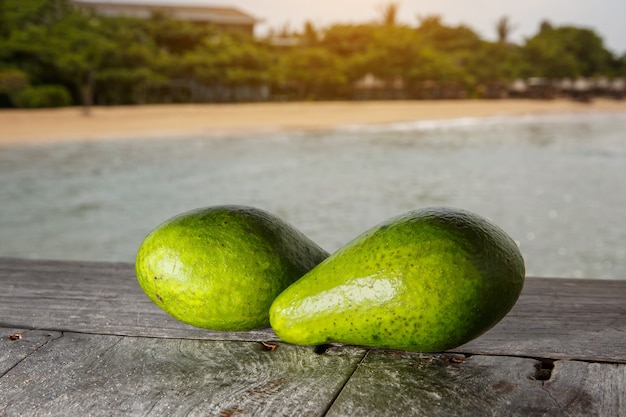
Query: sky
{"type": "Point", "coordinates": [606, 17]}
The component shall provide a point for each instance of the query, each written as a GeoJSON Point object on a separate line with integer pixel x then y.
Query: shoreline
{"type": "Point", "coordinates": [47, 126]}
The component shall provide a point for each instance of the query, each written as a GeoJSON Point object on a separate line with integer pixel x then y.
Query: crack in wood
{"type": "Point", "coordinates": [344, 384]}
{"type": "Point", "coordinates": [559, 352]}
{"type": "Point", "coordinates": [554, 400]}
{"type": "Point", "coordinates": [29, 354]}
{"type": "Point", "coordinates": [578, 319]}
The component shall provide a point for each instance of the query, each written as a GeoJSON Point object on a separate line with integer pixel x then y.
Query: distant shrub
{"type": "Point", "coordinates": [43, 96]}
{"type": "Point", "coordinates": [12, 81]}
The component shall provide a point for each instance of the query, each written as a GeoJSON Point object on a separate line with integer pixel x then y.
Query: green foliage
{"type": "Point", "coordinates": [20, 14]}
{"type": "Point", "coordinates": [310, 35]}
{"type": "Point", "coordinates": [174, 36]}
{"type": "Point", "coordinates": [566, 52]}
{"type": "Point", "coordinates": [505, 62]}
{"type": "Point", "coordinates": [12, 81]}
{"type": "Point", "coordinates": [348, 40]}
{"type": "Point", "coordinates": [316, 72]}
{"type": "Point", "coordinates": [43, 96]}
{"type": "Point", "coordinates": [447, 38]}
{"type": "Point", "coordinates": [120, 60]}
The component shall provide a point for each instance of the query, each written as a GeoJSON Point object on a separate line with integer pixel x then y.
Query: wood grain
{"type": "Point", "coordinates": [78, 375]}
{"type": "Point", "coordinates": [554, 318]}
{"type": "Point", "coordinates": [562, 319]}
{"type": "Point", "coordinates": [18, 344]}
{"type": "Point", "coordinates": [91, 297]}
{"type": "Point", "coordinates": [93, 344]}
{"type": "Point", "coordinates": [442, 385]}
{"type": "Point", "coordinates": [588, 389]}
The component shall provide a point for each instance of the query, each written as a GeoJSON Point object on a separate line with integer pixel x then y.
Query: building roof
{"type": "Point", "coordinates": [199, 13]}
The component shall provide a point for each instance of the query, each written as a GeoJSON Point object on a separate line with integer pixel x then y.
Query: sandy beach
{"type": "Point", "coordinates": [31, 127]}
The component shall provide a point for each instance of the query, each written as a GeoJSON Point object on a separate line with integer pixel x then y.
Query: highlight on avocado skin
{"type": "Point", "coordinates": [221, 267]}
{"type": "Point", "coordinates": [428, 280]}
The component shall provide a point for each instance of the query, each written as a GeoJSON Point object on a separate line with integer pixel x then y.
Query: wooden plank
{"type": "Point", "coordinates": [554, 318]}
{"type": "Point", "coordinates": [589, 389]}
{"type": "Point", "coordinates": [562, 319]}
{"type": "Point", "coordinates": [91, 297]}
{"type": "Point", "coordinates": [18, 344]}
{"type": "Point", "coordinates": [402, 384]}
{"type": "Point", "coordinates": [79, 375]}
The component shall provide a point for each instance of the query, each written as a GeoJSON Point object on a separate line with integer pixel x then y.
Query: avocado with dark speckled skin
{"type": "Point", "coordinates": [429, 280]}
{"type": "Point", "coordinates": [221, 267]}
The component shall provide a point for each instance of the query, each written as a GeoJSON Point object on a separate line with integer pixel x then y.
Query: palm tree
{"type": "Point", "coordinates": [389, 13]}
{"type": "Point", "coordinates": [309, 33]}
{"type": "Point", "coordinates": [504, 29]}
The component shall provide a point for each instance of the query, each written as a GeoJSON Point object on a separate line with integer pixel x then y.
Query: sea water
{"type": "Point", "coordinates": [554, 183]}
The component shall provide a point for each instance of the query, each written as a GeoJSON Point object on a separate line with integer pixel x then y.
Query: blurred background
{"type": "Point", "coordinates": [84, 52]}
{"type": "Point", "coordinates": [554, 182]}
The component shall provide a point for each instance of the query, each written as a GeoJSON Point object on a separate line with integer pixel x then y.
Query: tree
{"type": "Point", "coordinates": [55, 44]}
{"type": "Point", "coordinates": [225, 67]}
{"type": "Point", "coordinates": [82, 48]}
{"type": "Point", "coordinates": [347, 40]}
{"type": "Point", "coordinates": [392, 54]}
{"type": "Point", "coordinates": [504, 29]}
{"type": "Point", "coordinates": [496, 63]}
{"type": "Point", "coordinates": [314, 72]}
{"type": "Point", "coordinates": [447, 38]}
{"type": "Point", "coordinates": [12, 83]}
{"type": "Point", "coordinates": [389, 13]}
{"type": "Point", "coordinates": [566, 51]}
{"type": "Point", "coordinates": [429, 25]}
{"type": "Point", "coordinates": [175, 36]}
{"type": "Point", "coordinates": [309, 34]}
{"type": "Point", "coordinates": [50, 47]}
{"type": "Point", "coordinates": [132, 62]}
{"type": "Point", "coordinates": [19, 14]}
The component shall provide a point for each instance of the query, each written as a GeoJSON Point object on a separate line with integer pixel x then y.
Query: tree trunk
{"type": "Point", "coordinates": [88, 92]}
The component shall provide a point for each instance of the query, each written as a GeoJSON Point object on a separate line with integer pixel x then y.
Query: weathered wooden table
{"type": "Point", "coordinates": [81, 339]}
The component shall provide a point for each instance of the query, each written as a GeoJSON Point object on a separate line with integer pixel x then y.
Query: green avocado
{"type": "Point", "coordinates": [221, 267]}
{"type": "Point", "coordinates": [429, 280]}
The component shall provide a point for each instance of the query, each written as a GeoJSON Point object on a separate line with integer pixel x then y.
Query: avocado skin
{"type": "Point", "coordinates": [428, 280]}
{"type": "Point", "coordinates": [221, 267]}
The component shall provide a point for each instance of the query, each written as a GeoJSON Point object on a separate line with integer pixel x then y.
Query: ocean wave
{"type": "Point", "coordinates": [463, 123]}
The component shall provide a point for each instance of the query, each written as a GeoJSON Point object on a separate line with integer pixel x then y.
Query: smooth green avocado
{"type": "Point", "coordinates": [221, 267]}
{"type": "Point", "coordinates": [429, 280]}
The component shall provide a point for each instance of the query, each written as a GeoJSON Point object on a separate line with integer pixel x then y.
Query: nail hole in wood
{"type": "Point", "coordinates": [544, 370]}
